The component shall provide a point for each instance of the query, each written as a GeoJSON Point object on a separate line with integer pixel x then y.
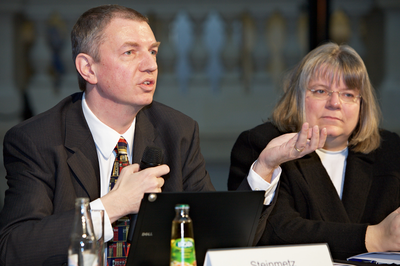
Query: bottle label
{"type": "Point", "coordinates": [183, 252]}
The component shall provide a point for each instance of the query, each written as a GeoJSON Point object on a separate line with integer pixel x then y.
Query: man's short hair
{"type": "Point", "coordinates": [88, 32]}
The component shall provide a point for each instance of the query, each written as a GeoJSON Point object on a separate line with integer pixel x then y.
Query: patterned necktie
{"type": "Point", "coordinates": [118, 248]}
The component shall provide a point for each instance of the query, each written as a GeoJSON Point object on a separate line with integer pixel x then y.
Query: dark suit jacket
{"type": "Point", "coordinates": [308, 208]}
{"type": "Point", "coordinates": [51, 159]}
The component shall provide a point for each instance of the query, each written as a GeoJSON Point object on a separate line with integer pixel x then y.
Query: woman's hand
{"type": "Point", "coordinates": [384, 236]}
{"type": "Point", "coordinates": [288, 147]}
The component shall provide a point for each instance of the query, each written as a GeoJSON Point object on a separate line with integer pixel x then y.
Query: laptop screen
{"type": "Point", "coordinates": [221, 219]}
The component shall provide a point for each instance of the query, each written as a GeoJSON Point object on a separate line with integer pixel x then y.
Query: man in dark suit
{"type": "Point", "coordinates": [67, 151]}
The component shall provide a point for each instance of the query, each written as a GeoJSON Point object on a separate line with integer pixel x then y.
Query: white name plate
{"type": "Point", "coordinates": [296, 255]}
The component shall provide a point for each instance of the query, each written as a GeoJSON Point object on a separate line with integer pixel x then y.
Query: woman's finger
{"type": "Point", "coordinates": [302, 138]}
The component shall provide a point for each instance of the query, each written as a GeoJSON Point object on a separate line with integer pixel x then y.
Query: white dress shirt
{"type": "Point", "coordinates": [105, 139]}
{"type": "Point", "coordinates": [256, 182]}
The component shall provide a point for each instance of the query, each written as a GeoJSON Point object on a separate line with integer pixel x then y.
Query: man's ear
{"type": "Point", "coordinates": [84, 65]}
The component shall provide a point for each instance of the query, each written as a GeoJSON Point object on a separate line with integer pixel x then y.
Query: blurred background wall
{"type": "Point", "coordinates": [220, 61]}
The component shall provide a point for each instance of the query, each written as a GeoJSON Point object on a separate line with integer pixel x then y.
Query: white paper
{"type": "Point", "coordinates": [294, 255]}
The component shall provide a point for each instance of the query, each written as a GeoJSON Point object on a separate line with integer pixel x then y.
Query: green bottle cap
{"type": "Point", "coordinates": [182, 206]}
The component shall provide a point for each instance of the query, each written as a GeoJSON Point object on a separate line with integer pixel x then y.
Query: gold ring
{"type": "Point", "coordinates": [299, 150]}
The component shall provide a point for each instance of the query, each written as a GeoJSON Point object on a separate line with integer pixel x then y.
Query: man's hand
{"type": "Point", "coordinates": [129, 189]}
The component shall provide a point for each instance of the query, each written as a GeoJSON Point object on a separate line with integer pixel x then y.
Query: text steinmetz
{"type": "Point", "coordinates": [275, 263]}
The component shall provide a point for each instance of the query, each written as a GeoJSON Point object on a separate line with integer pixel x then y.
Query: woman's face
{"type": "Point", "coordinates": [338, 117]}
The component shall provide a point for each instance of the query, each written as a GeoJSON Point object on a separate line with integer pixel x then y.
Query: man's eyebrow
{"type": "Point", "coordinates": [130, 44]}
{"type": "Point", "coordinates": [135, 44]}
{"type": "Point", "coordinates": [156, 44]}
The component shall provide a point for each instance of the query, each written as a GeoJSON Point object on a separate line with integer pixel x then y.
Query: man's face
{"type": "Point", "coordinates": [127, 70]}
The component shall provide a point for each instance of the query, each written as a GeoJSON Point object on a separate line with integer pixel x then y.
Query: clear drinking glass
{"type": "Point", "coordinates": [98, 224]}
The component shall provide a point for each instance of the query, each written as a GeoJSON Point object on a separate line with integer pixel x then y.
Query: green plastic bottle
{"type": "Point", "coordinates": [182, 238]}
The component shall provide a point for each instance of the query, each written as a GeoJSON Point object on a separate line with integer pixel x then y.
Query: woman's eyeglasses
{"type": "Point", "coordinates": [345, 96]}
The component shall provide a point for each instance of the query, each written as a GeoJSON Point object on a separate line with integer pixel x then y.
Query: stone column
{"type": "Point", "coordinates": [231, 53]}
{"type": "Point", "coordinates": [10, 98]}
{"type": "Point", "coordinates": [260, 52]}
{"type": "Point", "coordinates": [390, 89]}
{"type": "Point", "coordinates": [198, 53]}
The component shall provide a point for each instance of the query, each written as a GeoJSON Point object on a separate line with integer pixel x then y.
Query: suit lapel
{"type": "Point", "coordinates": [83, 159]}
{"type": "Point", "coordinates": [358, 179]}
{"type": "Point", "coordinates": [330, 205]}
{"type": "Point", "coordinates": [144, 136]}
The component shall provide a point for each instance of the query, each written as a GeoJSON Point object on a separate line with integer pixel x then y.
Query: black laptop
{"type": "Point", "coordinates": [221, 219]}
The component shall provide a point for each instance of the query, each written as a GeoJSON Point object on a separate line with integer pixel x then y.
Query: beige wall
{"type": "Point", "coordinates": [252, 44]}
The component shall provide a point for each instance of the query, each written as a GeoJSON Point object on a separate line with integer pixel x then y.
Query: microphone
{"type": "Point", "coordinates": [152, 156]}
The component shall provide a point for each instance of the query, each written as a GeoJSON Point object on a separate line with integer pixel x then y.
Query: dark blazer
{"type": "Point", "coordinates": [51, 159]}
{"type": "Point", "coordinates": [308, 208]}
